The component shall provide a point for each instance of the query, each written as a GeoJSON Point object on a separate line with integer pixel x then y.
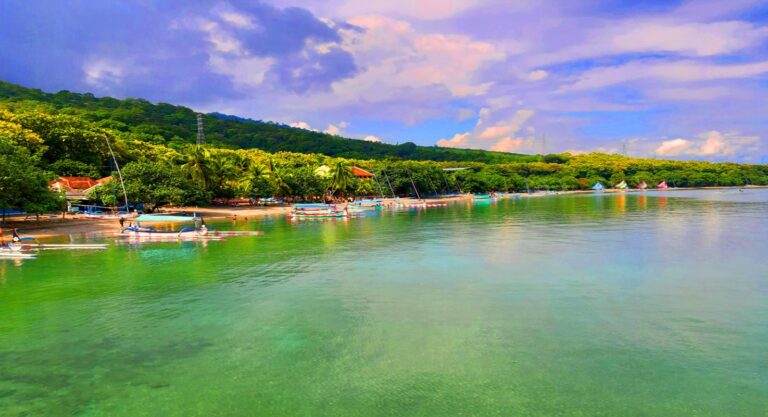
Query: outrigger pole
{"type": "Point", "coordinates": [119, 174]}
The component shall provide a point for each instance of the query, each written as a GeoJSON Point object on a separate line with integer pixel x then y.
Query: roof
{"type": "Point", "coordinates": [361, 173]}
{"type": "Point", "coordinates": [72, 183]}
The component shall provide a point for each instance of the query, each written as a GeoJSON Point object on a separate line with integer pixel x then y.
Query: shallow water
{"type": "Point", "coordinates": [637, 304]}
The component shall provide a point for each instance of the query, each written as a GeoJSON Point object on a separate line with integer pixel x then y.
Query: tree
{"type": "Point", "coordinates": [198, 167]}
{"type": "Point", "coordinates": [154, 184]}
{"type": "Point", "coordinates": [23, 185]}
{"type": "Point", "coordinates": [342, 179]}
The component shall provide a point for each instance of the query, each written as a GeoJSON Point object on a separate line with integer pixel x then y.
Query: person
{"type": "Point", "coordinates": [122, 221]}
{"type": "Point", "coordinates": [16, 238]}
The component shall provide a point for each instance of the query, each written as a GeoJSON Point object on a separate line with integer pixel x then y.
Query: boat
{"type": "Point", "coordinates": [483, 196]}
{"type": "Point", "coordinates": [149, 232]}
{"type": "Point", "coordinates": [662, 185]}
{"type": "Point", "coordinates": [642, 186]}
{"type": "Point", "coordinates": [621, 186]}
{"type": "Point", "coordinates": [12, 251]}
{"type": "Point", "coordinates": [317, 211]}
{"type": "Point", "coordinates": [598, 187]}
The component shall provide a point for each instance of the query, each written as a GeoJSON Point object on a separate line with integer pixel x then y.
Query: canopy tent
{"type": "Point", "coordinates": [361, 173]}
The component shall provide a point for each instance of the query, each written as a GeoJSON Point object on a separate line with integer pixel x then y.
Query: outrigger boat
{"type": "Point", "coordinates": [317, 211]}
{"type": "Point", "coordinates": [199, 231]}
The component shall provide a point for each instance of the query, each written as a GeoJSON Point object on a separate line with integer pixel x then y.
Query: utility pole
{"type": "Point", "coordinates": [200, 133]}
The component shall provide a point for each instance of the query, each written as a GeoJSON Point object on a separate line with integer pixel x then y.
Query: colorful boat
{"type": "Point", "coordinates": [621, 186]}
{"type": "Point", "coordinates": [642, 186]}
{"type": "Point", "coordinates": [662, 185]}
{"type": "Point", "coordinates": [598, 186]}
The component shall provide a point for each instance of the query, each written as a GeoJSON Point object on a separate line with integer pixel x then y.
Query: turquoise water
{"type": "Point", "coordinates": [591, 305]}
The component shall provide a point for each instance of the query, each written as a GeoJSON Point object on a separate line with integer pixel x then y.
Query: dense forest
{"type": "Point", "coordinates": [176, 126]}
{"type": "Point", "coordinates": [40, 140]}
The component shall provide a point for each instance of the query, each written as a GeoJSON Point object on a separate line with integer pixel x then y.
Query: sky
{"type": "Point", "coordinates": [667, 79]}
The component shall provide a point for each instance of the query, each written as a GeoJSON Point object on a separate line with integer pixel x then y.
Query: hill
{"type": "Point", "coordinates": [175, 126]}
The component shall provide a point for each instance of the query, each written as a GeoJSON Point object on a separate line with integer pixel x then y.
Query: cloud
{"type": "Point", "coordinates": [421, 9]}
{"type": "Point", "coordinates": [399, 60]}
{"type": "Point", "coordinates": [500, 136]}
{"type": "Point", "coordinates": [675, 71]}
{"type": "Point", "coordinates": [458, 140]}
{"type": "Point", "coordinates": [711, 145]}
{"type": "Point", "coordinates": [673, 147]}
{"type": "Point", "coordinates": [336, 129]}
{"type": "Point", "coordinates": [371, 138]}
{"type": "Point", "coordinates": [302, 125]}
{"type": "Point", "coordinates": [537, 75]}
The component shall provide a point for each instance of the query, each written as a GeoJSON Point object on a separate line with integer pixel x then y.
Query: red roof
{"type": "Point", "coordinates": [73, 183]}
{"type": "Point", "coordinates": [361, 173]}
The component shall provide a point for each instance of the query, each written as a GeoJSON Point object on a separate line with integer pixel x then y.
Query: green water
{"type": "Point", "coordinates": [612, 305]}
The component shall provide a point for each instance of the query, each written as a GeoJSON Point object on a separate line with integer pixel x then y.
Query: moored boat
{"type": "Point", "coordinates": [317, 211]}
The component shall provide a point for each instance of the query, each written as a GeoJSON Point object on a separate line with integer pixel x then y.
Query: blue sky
{"type": "Point", "coordinates": [675, 79]}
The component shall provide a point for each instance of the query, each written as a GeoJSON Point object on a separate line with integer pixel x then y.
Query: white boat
{"type": "Point", "coordinates": [317, 211]}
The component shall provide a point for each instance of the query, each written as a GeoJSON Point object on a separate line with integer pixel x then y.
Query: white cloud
{"type": "Point", "coordinates": [302, 125]}
{"type": "Point", "coordinates": [501, 136]}
{"type": "Point", "coordinates": [673, 147]}
{"type": "Point", "coordinates": [371, 138]}
{"type": "Point", "coordinates": [336, 129]}
{"type": "Point", "coordinates": [696, 39]}
{"type": "Point", "coordinates": [711, 144]}
{"type": "Point", "coordinates": [398, 59]}
{"type": "Point", "coordinates": [676, 71]}
{"type": "Point", "coordinates": [537, 75]}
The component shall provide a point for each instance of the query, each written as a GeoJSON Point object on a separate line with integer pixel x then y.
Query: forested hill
{"type": "Point", "coordinates": [175, 126]}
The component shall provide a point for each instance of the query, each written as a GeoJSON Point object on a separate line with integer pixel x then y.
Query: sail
{"type": "Point", "coordinates": [622, 185]}
{"type": "Point", "coordinates": [598, 186]}
{"type": "Point", "coordinates": [642, 185]}
{"type": "Point", "coordinates": [662, 184]}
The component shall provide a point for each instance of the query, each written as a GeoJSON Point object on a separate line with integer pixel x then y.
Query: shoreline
{"type": "Point", "coordinates": [80, 225]}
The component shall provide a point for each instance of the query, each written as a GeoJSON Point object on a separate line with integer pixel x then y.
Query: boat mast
{"type": "Point", "coordinates": [413, 184]}
{"type": "Point", "coordinates": [390, 184]}
{"type": "Point", "coordinates": [119, 174]}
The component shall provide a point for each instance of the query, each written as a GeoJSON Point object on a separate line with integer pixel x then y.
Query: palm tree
{"type": "Point", "coordinates": [223, 170]}
{"type": "Point", "coordinates": [282, 188]}
{"type": "Point", "coordinates": [198, 166]}
{"type": "Point", "coordinates": [251, 175]}
{"type": "Point", "coordinates": [342, 179]}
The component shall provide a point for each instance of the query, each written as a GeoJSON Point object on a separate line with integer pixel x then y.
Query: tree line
{"type": "Point", "coordinates": [37, 146]}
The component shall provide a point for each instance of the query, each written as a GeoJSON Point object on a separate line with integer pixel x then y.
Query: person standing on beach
{"type": "Point", "coordinates": [122, 222]}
